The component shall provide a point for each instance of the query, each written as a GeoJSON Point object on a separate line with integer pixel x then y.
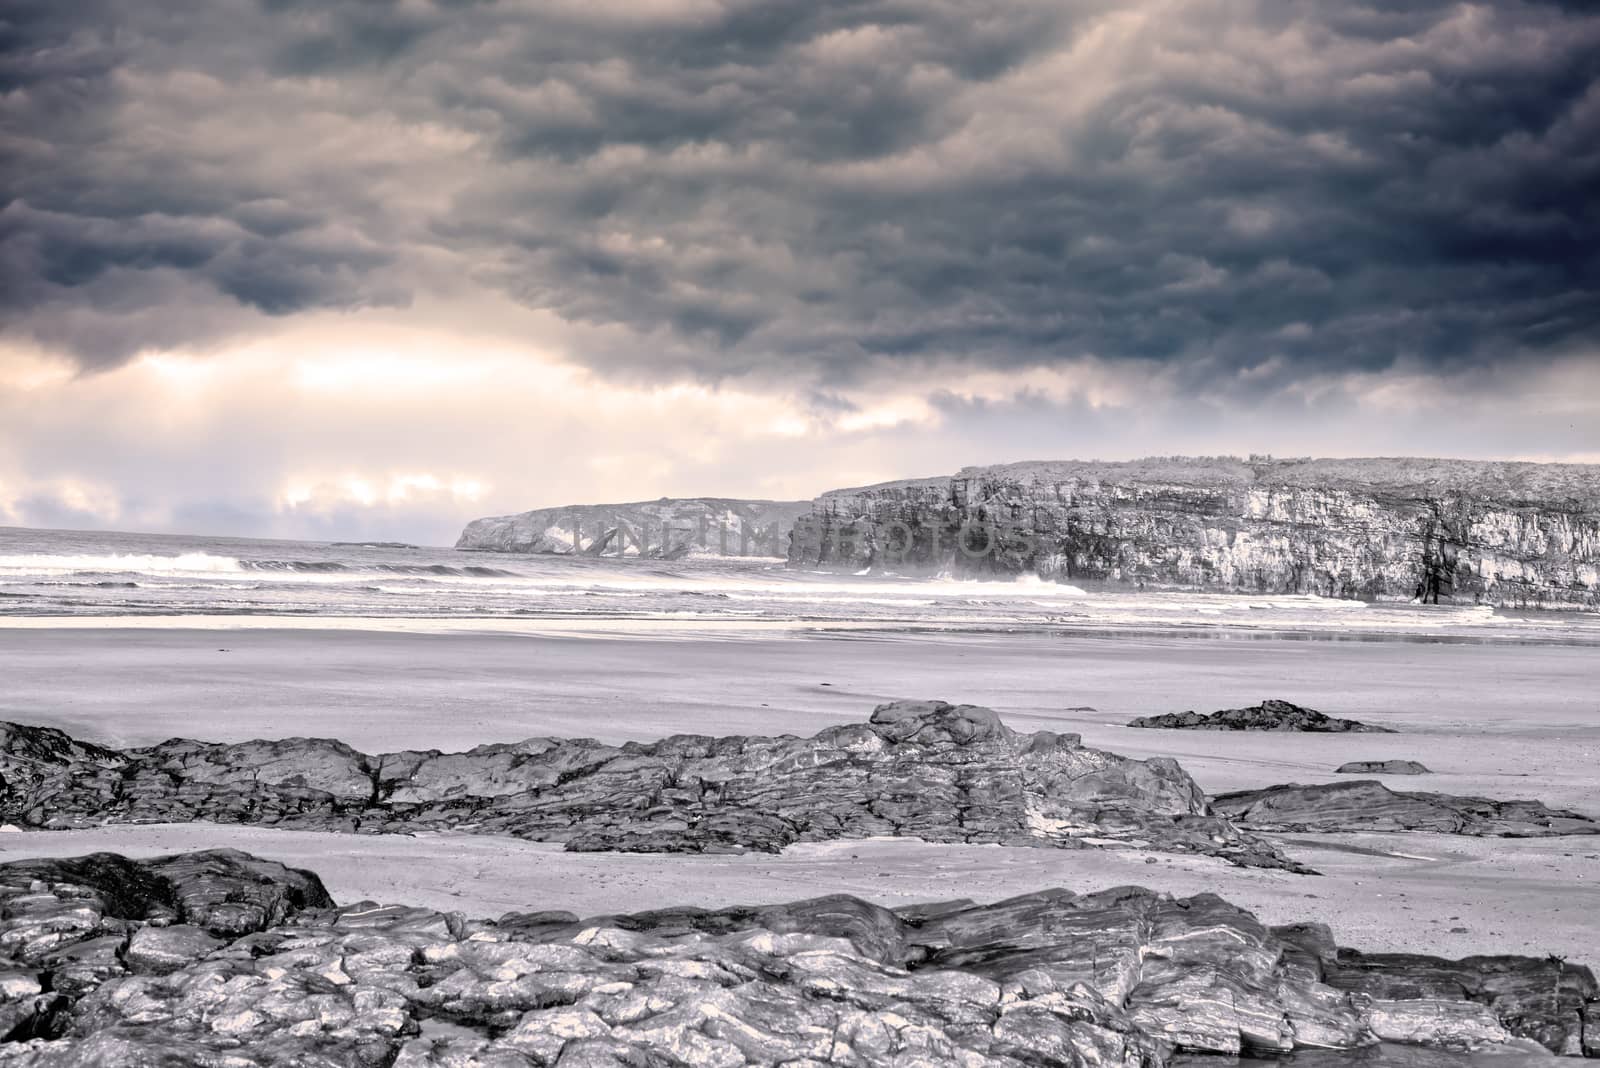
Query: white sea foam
{"type": "Point", "coordinates": [118, 563]}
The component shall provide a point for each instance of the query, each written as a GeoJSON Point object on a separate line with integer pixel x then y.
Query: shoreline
{"type": "Point", "coordinates": [733, 629]}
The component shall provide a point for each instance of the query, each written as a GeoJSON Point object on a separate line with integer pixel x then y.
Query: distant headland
{"type": "Point", "coordinates": [1431, 530]}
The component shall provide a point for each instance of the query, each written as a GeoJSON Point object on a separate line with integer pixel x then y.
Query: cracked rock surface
{"type": "Point", "coordinates": [115, 962]}
{"type": "Point", "coordinates": [925, 769]}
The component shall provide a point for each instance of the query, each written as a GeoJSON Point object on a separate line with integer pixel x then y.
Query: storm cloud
{"type": "Point", "coordinates": [1241, 191]}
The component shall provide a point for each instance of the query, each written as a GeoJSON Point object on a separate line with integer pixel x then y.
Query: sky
{"type": "Point", "coordinates": [371, 268]}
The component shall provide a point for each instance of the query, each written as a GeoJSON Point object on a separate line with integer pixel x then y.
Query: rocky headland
{"type": "Point", "coordinates": [664, 529]}
{"type": "Point", "coordinates": [1270, 715]}
{"type": "Point", "coordinates": [923, 769]}
{"type": "Point", "coordinates": [1517, 534]}
{"type": "Point", "coordinates": [1369, 805]}
{"type": "Point", "coordinates": [221, 958]}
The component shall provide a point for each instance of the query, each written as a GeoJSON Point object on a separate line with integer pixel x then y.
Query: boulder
{"type": "Point", "coordinates": [1382, 767]}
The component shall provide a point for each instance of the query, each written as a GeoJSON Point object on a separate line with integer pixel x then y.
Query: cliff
{"type": "Point", "coordinates": [1514, 534]}
{"type": "Point", "coordinates": [666, 529]}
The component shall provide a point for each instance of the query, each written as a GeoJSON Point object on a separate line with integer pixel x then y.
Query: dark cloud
{"type": "Point", "coordinates": [749, 185]}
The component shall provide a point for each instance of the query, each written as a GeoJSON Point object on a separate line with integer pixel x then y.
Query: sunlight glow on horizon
{"type": "Point", "coordinates": [365, 426]}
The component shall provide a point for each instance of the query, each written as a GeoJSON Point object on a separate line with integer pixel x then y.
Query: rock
{"type": "Point", "coordinates": [1515, 534]}
{"type": "Point", "coordinates": [18, 986]}
{"type": "Point", "coordinates": [664, 529]}
{"type": "Point", "coordinates": [1269, 715]}
{"type": "Point", "coordinates": [1537, 998]}
{"type": "Point", "coordinates": [1437, 1023]}
{"type": "Point", "coordinates": [228, 892]}
{"type": "Point", "coordinates": [84, 921]}
{"type": "Point", "coordinates": [926, 769]}
{"type": "Point", "coordinates": [103, 884]}
{"type": "Point", "coordinates": [935, 722]}
{"type": "Point", "coordinates": [1124, 977]}
{"type": "Point", "coordinates": [1382, 767]}
{"type": "Point", "coordinates": [46, 902]}
{"type": "Point", "coordinates": [1368, 805]}
{"type": "Point", "coordinates": [85, 964]}
{"type": "Point", "coordinates": [161, 950]}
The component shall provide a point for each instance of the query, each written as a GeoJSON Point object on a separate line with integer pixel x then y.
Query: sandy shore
{"type": "Point", "coordinates": [1500, 720]}
{"type": "Point", "coordinates": [1445, 895]}
{"type": "Point", "coordinates": [1496, 720]}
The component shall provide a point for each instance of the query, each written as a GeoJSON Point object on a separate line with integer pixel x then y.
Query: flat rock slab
{"type": "Point", "coordinates": [1382, 767]}
{"type": "Point", "coordinates": [1269, 715]}
{"type": "Point", "coordinates": [1369, 805]}
{"type": "Point", "coordinates": [1125, 977]}
{"type": "Point", "coordinates": [923, 769]}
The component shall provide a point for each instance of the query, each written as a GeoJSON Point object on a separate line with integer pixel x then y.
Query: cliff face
{"type": "Point", "coordinates": [667, 528]}
{"type": "Point", "coordinates": [1514, 534]}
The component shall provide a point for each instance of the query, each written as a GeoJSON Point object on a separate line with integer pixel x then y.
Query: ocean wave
{"type": "Point", "coordinates": [311, 567]}
{"type": "Point", "coordinates": [116, 563]}
{"type": "Point", "coordinates": [332, 567]}
{"type": "Point", "coordinates": [103, 584]}
{"type": "Point", "coordinates": [200, 563]}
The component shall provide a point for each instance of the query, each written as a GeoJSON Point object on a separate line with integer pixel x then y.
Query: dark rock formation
{"type": "Point", "coordinates": [1382, 767]}
{"type": "Point", "coordinates": [1269, 715]}
{"type": "Point", "coordinates": [924, 769]}
{"type": "Point", "coordinates": [1389, 529]}
{"type": "Point", "coordinates": [67, 926]}
{"type": "Point", "coordinates": [1123, 977]}
{"type": "Point", "coordinates": [668, 528]}
{"type": "Point", "coordinates": [1368, 805]}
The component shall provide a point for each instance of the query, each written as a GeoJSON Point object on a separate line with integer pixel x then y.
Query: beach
{"type": "Point", "coordinates": [1500, 720]}
{"type": "Point", "coordinates": [1503, 720]}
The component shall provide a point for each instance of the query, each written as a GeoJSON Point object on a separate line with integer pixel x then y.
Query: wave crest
{"type": "Point", "coordinates": [118, 563]}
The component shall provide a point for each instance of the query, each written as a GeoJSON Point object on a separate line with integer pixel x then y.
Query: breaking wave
{"type": "Point", "coordinates": [118, 563]}
{"type": "Point", "coordinates": [330, 567]}
{"type": "Point", "coordinates": [207, 564]}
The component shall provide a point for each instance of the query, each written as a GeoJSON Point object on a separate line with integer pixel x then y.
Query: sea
{"type": "Point", "coordinates": [51, 577]}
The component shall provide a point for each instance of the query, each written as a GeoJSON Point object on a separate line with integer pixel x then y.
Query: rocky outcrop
{"type": "Point", "coordinates": [1382, 767]}
{"type": "Point", "coordinates": [1368, 805]}
{"type": "Point", "coordinates": [67, 926]}
{"type": "Point", "coordinates": [103, 962]}
{"type": "Point", "coordinates": [1380, 529]}
{"type": "Point", "coordinates": [1269, 715]}
{"type": "Point", "coordinates": [664, 529]}
{"type": "Point", "coordinates": [924, 769]}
